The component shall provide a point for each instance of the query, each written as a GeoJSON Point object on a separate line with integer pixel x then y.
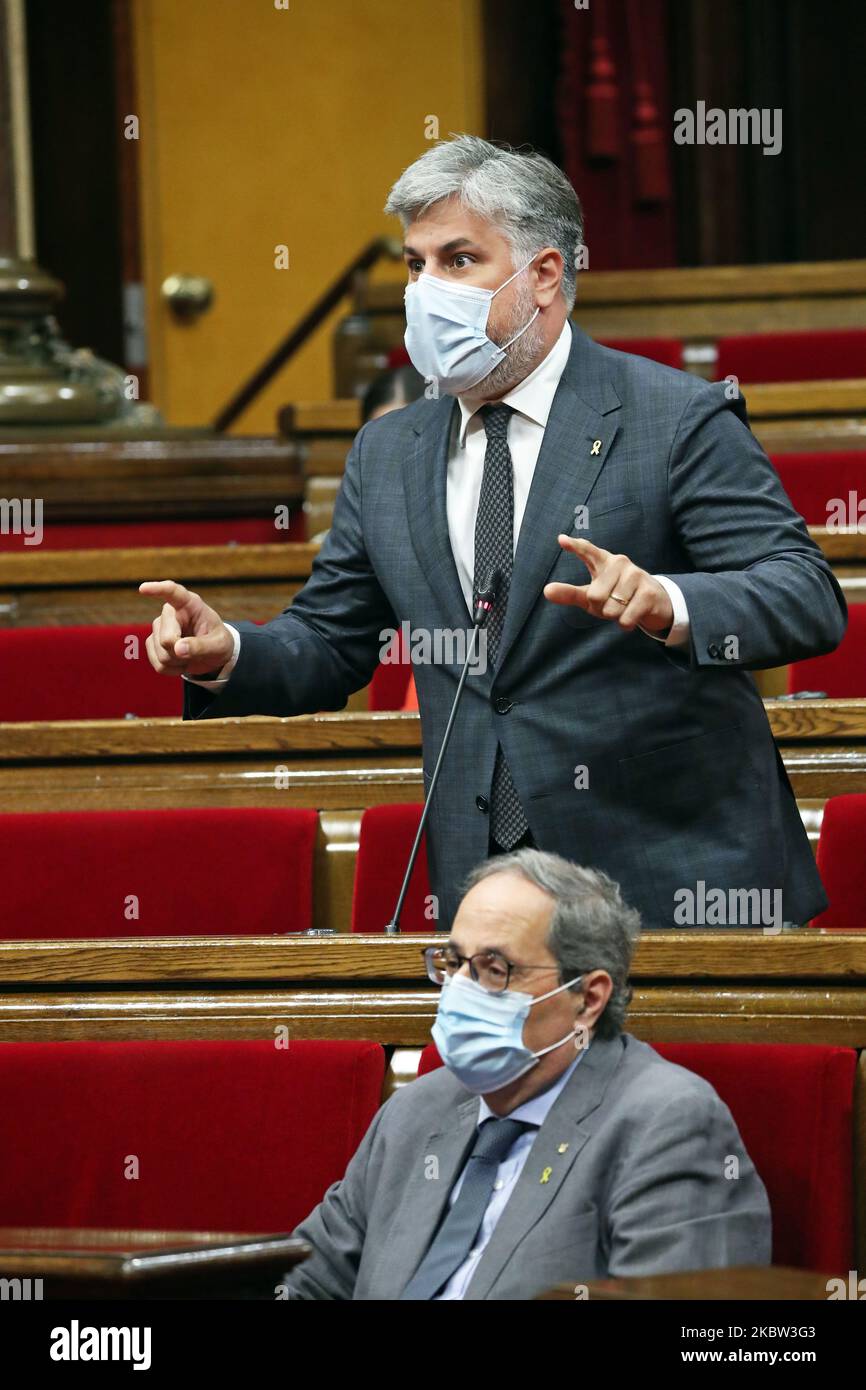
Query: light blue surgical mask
{"type": "Point", "coordinates": [479, 1035]}
{"type": "Point", "coordinates": [446, 331]}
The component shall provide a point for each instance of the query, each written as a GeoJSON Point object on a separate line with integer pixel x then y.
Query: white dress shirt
{"type": "Point", "coordinates": [531, 400]}
{"type": "Point", "coordinates": [535, 1111]}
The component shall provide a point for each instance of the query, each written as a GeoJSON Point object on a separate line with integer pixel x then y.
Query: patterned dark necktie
{"type": "Point", "coordinates": [456, 1236]}
{"type": "Point", "coordinates": [494, 549]}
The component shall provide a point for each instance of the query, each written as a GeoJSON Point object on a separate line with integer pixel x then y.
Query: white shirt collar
{"type": "Point", "coordinates": [533, 396]}
{"type": "Point", "coordinates": [537, 1108]}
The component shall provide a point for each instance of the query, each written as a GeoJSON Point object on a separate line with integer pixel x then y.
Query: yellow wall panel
{"type": "Point", "coordinates": [263, 126]}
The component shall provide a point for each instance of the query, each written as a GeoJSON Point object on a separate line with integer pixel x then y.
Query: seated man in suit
{"type": "Point", "coordinates": [553, 1146]}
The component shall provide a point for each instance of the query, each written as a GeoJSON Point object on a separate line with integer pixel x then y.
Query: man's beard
{"type": "Point", "coordinates": [522, 357]}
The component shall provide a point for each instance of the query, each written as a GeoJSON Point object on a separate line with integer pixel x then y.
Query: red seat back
{"type": "Point", "coordinates": [125, 535]}
{"type": "Point", "coordinates": [207, 1136]}
{"type": "Point", "coordinates": [82, 673]}
{"type": "Point", "coordinates": [209, 871]}
{"type": "Point", "coordinates": [387, 835]}
{"type": "Point", "coordinates": [816, 483]}
{"type": "Point", "coordinates": [841, 673]}
{"type": "Point", "coordinates": [810, 356]}
{"type": "Point", "coordinates": [391, 678]}
{"type": "Point", "coordinates": [793, 1106]}
{"type": "Point", "coordinates": [668, 351]}
{"type": "Point", "coordinates": [842, 862]}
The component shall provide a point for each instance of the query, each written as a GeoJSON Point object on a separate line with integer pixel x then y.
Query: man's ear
{"type": "Point", "coordinates": [548, 268]}
{"type": "Point", "coordinates": [602, 978]}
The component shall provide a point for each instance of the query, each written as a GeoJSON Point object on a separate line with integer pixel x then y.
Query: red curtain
{"type": "Point", "coordinates": [616, 124]}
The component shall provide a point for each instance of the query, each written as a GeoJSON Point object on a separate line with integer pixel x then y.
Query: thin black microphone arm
{"type": "Point", "coordinates": [484, 604]}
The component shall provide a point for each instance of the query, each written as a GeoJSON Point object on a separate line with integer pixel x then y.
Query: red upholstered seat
{"type": "Point", "coordinates": [227, 1136]}
{"type": "Point", "coordinates": [389, 686]}
{"type": "Point", "coordinates": [410, 703]}
{"type": "Point", "coordinates": [391, 678]}
{"type": "Point", "coordinates": [668, 351]}
{"type": "Point", "coordinates": [814, 482]}
{"type": "Point", "coordinates": [121, 535]}
{"type": "Point", "coordinates": [387, 835]}
{"type": "Point", "coordinates": [841, 673]}
{"type": "Point", "coordinates": [842, 863]}
{"type": "Point", "coordinates": [810, 356]}
{"type": "Point", "coordinates": [82, 673]}
{"type": "Point", "coordinates": [793, 1106]}
{"type": "Point", "coordinates": [209, 871]}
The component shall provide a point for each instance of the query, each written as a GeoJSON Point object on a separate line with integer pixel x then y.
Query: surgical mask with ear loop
{"type": "Point", "coordinates": [446, 331]}
{"type": "Point", "coordinates": [479, 1035]}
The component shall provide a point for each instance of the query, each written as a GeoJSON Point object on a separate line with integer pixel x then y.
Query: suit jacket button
{"type": "Point", "coordinates": [482, 803]}
{"type": "Point", "coordinates": [502, 704]}
{"type": "Point", "coordinates": [713, 651]}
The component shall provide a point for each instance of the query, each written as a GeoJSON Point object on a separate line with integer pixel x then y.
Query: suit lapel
{"type": "Point", "coordinates": [424, 1200]}
{"type": "Point", "coordinates": [570, 1122]}
{"type": "Point", "coordinates": [578, 436]}
{"type": "Point", "coordinates": [425, 480]}
{"type": "Point", "coordinates": [580, 431]}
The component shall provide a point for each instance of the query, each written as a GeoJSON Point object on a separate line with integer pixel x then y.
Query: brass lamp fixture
{"type": "Point", "coordinates": [43, 381]}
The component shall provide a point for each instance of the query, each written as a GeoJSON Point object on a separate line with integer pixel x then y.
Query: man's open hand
{"type": "Point", "coordinates": [619, 591]}
{"type": "Point", "coordinates": [188, 638]}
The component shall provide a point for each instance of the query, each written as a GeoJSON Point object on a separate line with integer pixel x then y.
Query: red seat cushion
{"type": "Point", "coordinates": [228, 1136]}
{"type": "Point", "coordinates": [83, 673]}
{"type": "Point", "coordinates": [207, 871]}
{"type": "Point", "coordinates": [387, 835]}
{"type": "Point", "coordinates": [842, 862]}
{"type": "Point", "coordinates": [668, 351]}
{"type": "Point", "coordinates": [389, 686]}
{"type": "Point", "coordinates": [814, 481]}
{"type": "Point", "coordinates": [841, 673]}
{"type": "Point", "coordinates": [391, 678]}
{"type": "Point", "coordinates": [410, 703]}
{"type": "Point", "coordinates": [811, 356]}
{"type": "Point", "coordinates": [793, 1106]}
{"type": "Point", "coordinates": [125, 535]}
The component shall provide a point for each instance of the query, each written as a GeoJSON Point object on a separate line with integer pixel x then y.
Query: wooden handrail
{"type": "Point", "coordinates": [297, 336]}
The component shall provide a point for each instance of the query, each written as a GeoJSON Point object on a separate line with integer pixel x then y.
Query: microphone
{"type": "Point", "coordinates": [485, 601]}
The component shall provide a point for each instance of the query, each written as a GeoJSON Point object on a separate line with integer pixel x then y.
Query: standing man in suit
{"type": "Point", "coordinates": [553, 1146]}
{"type": "Point", "coordinates": [650, 561]}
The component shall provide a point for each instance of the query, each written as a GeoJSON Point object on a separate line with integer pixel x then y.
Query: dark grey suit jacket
{"type": "Point", "coordinates": [684, 780]}
{"type": "Point", "coordinates": [646, 1185]}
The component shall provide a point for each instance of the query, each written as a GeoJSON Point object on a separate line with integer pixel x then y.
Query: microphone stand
{"type": "Point", "coordinates": [483, 608]}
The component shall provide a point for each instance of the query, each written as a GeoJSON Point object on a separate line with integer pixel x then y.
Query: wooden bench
{"type": "Point", "coordinates": [804, 986]}
{"type": "Point", "coordinates": [44, 588]}
{"type": "Point", "coordinates": [698, 305]}
{"type": "Point", "coordinates": [340, 763]}
{"type": "Point", "coordinates": [794, 417]}
{"type": "Point", "coordinates": [786, 418]}
{"type": "Point", "coordinates": [119, 479]}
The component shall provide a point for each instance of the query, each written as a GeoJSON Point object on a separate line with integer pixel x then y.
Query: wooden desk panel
{"type": "Point", "coordinates": [749, 1283]}
{"type": "Point", "coordinates": [333, 761]}
{"type": "Point", "coordinates": [113, 479]}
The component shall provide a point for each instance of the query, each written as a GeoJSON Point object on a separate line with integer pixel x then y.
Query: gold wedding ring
{"type": "Point", "coordinates": [618, 599]}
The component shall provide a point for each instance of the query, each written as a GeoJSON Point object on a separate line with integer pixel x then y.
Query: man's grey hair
{"type": "Point", "coordinates": [520, 191]}
{"type": "Point", "coordinates": [591, 927]}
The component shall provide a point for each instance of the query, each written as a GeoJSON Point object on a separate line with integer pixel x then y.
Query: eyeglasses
{"type": "Point", "coordinates": [490, 969]}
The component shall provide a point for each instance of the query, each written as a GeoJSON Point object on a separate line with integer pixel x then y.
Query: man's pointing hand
{"type": "Point", "coordinates": [619, 591]}
{"type": "Point", "coordinates": [188, 638]}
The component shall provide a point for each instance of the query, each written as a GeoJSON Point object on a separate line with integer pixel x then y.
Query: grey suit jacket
{"type": "Point", "coordinates": [646, 1185]}
{"type": "Point", "coordinates": [684, 780]}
